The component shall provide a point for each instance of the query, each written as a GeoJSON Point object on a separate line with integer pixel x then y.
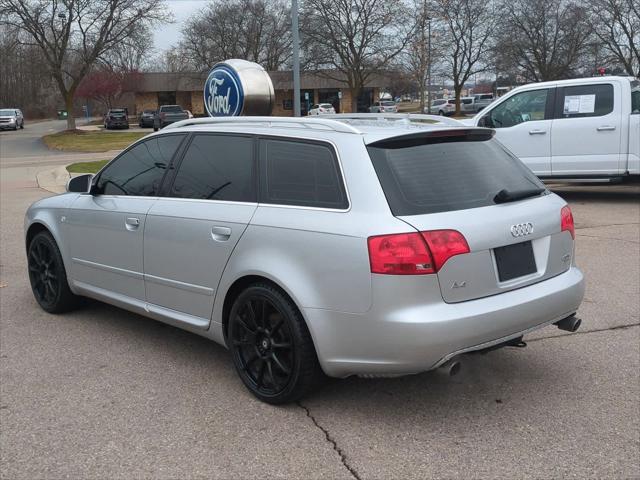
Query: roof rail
{"type": "Point", "coordinates": [412, 117]}
{"type": "Point", "coordinates": [304, 122]}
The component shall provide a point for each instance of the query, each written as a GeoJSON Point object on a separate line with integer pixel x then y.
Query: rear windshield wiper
{"type": "Point", "coordinates": [504, 195]}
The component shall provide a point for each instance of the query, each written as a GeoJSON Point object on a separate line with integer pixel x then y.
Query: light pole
{"type": "Point", "coordinates": [296, 57]}
{"type": "Point", "coordinates": [429, 66]}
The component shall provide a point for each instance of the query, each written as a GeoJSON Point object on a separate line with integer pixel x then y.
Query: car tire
{"type": "Point", "coordinates": [48, 276]}
{"type": "Point", "coordinates": [441, 113]}
{"type": "Point", "coordinates": [22, 126]}
{"type": "Point", "coordinates": [271, 347]}
{"type": "Point", "coordinates": [155, 129]}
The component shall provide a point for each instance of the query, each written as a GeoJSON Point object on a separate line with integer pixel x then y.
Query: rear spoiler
{"type": "Point", "coordinates": [474, 134]}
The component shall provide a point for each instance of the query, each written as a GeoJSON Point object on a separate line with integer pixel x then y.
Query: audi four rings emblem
{"type": "Point", "coordinates": [522, 229]}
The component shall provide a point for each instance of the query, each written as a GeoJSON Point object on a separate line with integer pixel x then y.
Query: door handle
{"type": "Point", "coordinates": [537, 132]}
{"type": "Point", "coordinates": [220, 234]}
{"type": "Point", "coordinates": [132, 223]}
{"type": "Point", "coordinates": [605, 128]}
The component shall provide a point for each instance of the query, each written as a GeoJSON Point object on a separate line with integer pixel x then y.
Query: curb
{"type": "Point", "coordinates": [54, 180]}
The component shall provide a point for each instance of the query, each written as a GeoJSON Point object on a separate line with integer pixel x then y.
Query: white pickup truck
{"type": "Point", "coordinates": [586, 128]}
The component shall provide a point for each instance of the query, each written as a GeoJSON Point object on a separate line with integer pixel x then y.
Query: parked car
{"type": "Point", "coordinates": [11, 118]}
{"type": "Point", "coordinates": [146, 118]}
{"type": "Point", "coordinates": [168, 114]}
{"type": "Point", "coordinates": [443, 107]}
{"type": "Point", "coordinates": [354, 256]}
{"type": "Point", "coordinates": [467, 105]}
{"type": "Point", "coordinates": [322, 109]}
{"type": "Point", "coordinates": [481, 100]}
{"type": "Point", "coordinates": [585, 128]}
{"type": "Point", "coordinates": [116, 118]}
{"type": "Point", "coordinates": [384, 106]}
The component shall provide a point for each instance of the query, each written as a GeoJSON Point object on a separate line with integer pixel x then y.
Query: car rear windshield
{"type": "Point", "coordinates": [421, 174]}
{"type": "Point", "coordinates": [171, 108]}
{"type": "Point", "coordinates": [326, 105]}
{"type": "Point", "coordinates": [388, 104]}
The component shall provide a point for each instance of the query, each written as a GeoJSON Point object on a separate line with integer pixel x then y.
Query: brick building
{"type": "Point", "coordinates": [186, 89]}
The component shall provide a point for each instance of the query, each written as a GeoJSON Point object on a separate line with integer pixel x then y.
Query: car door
{"type": "Point", "coordinates": [105, 227]}
{"type": "Point", "coordinates": [523, 124]}
{"type": "Point", "coordinates": [191, 232]}
{"type": "Point", "coordinates": [586, 130]}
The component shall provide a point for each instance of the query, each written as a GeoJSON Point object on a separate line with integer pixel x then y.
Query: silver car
{"type": "Point", "coordinates": [11, 118]}
{"type": "Point", "coordinates": [357, 245]}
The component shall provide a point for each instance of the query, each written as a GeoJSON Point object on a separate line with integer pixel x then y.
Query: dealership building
{"type": "Point", "coordinates": [186, 89]}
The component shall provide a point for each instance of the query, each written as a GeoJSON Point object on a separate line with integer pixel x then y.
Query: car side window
{"type": "Point", "coordinates": [585, 101]}
{"type": "Point", "coordinates": [139, 170]}
{"type": "Point", "coordinates": [522, 107]}
{"type": "Point", "coordinates": [300, 173]}
{"type": "Point", "coordinates": [635, 97]}
{"type": "Point", "coordinates": [217, 167]}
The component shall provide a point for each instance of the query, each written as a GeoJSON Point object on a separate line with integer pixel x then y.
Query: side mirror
{"type": "Point", "coordinates": [484, 121]}
{"type": "Point", "coordinates": [80, 184]}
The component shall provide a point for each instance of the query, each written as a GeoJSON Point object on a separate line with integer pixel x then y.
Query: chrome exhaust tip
{"type": "Point", "coordinates": [570, 324]}
{"type": "Point", "coordinates": [451, 368]}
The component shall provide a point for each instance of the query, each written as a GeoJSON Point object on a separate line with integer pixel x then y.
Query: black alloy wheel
{"type": "Point", "coordinates": [47, 275]}
{"type": "Point", "coordinates": [271, 346]}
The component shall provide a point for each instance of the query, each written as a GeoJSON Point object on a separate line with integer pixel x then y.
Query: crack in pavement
{"type": "Point", "coordinates": [607, 238]}
{"type": "Point", "coordinates": [330, 439]}
{"type": "Point", "coordinates": [617, 327]}
{"type": "Point", "coordinates": [608, 225]}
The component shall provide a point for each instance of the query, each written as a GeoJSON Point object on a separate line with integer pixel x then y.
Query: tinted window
{"type": "Point", "coordinates": [585, 101]}
{"type": "Point", "coordinates": [139, 171]}
{"type": "Point", "coordinates": [171, 108]}
{"type": "Point", "coordinates": [217, 167]}
{"type": "Point", "coordinates": [304, 174]}
{"type": "Point", "coordinates": [439, 175]}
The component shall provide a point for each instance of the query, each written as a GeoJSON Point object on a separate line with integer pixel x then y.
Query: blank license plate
{"type": "Point", "coordinates": [515, 261]}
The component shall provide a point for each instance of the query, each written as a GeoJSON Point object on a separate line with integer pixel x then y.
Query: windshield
{"type": "Point", "coordinates": [7, 113]}
{"type": "Point", "coordinates": [171, 108]}
{"type": "Point", "coordinates": [326, 105]}
{"type": "Point", "coordinates": [441, 174]}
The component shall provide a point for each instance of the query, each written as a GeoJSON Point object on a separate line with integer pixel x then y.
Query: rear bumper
{"type": "Point", "coordinates": [411, 330]}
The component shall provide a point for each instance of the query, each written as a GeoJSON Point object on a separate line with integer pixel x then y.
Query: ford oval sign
{"type": "Point", "coordinates": [223, 94]}
{"type": "Point", "coordinates": [238, 87]}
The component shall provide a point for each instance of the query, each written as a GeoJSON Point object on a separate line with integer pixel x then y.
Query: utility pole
{"type": "Point", "coordinates": [429, 66]}
{"type": "Point", "coordinates": [296, 58]}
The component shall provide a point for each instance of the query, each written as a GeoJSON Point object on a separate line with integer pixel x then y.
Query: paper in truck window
{"type": "Point", "coordinates": [575, 104]}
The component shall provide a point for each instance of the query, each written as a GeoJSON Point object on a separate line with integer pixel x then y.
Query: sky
{"type": "Point", "coordinates": [168, 35]}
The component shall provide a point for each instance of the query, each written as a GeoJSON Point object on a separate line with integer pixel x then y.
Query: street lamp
{"type": "Point", "coordinates": [296, 58]}
{"type": "Point", "coordinates": [429, 66]}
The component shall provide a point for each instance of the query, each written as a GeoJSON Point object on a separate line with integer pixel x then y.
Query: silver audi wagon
{"type": "Point", "coordinates": [372, 245]}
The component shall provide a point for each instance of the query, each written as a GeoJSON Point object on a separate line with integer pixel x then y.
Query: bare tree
{"type": "Point", "coordinates": [132, 54]}
{"type": "Point", "coordinates": [255, 30]}
{"type": "Point", "coordinates": [417, 58]}
{"type": "Point", "coordinates": [73, 34]}
{"type": "Point", "coordinates": [22, 83]}
{"type": "Point", "coordinates": [542, 39]}
{"type": "Point", "coordinates": [616, 25]}
{"type": "Point", "coordinates": [467, 27]}
{"type": "Point", "coordinates": [350, 40]}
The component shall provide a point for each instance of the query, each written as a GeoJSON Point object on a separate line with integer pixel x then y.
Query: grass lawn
{"type": "Point", "coordinates": [81, 141]}
{"type": "Point", "coordinates": [86, 167]}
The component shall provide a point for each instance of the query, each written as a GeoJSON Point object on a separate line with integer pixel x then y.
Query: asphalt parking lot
{"type": "Point", "coordinates": [103, 393]}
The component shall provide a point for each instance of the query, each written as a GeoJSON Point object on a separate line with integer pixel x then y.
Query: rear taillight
{"type": "Point", "coordinates": [445, 244]}
{"type": "Point", "coordinates": [414, 253]}
{"type": "Point", "coordinates": [566, 221]}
